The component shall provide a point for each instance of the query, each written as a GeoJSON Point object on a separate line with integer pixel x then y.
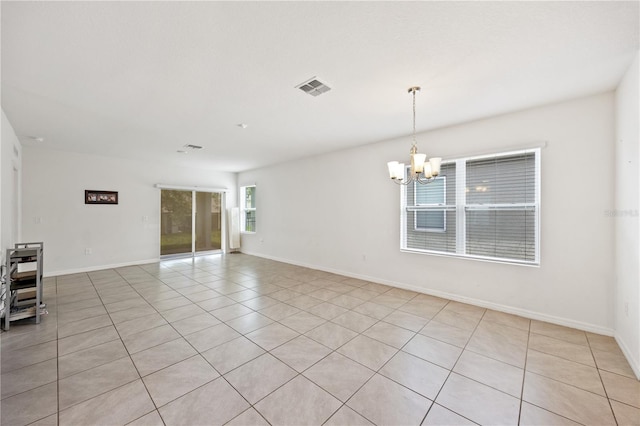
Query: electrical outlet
{"type": "Point", "coordinates": [88, 251]}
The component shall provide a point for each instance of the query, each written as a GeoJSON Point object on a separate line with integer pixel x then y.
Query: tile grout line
{"type": "Point", "coordinates": [374, 371]}
{"type": "Point", "coordinates": [198, 353]}
{"type": "Point", "coordinates": [134, 364]}
{"type": "Point", "coordinates": [297, 373]}
{"type": "Point", "coordinates": [156, 408]}
{"type": "Point", "coordinates": [604, 388]}
{"type": "Point", "coordinates": [454, 366]}
{"type": "Point", "coordinates": [450, 371]}
{"type": "Point", "coordinates": [524, 373]}
{"type": "Point", "coordinates": [220, 376]}
{"type": "Point", "coordinates": [562, 382]}
{"type": "Point", "coordinates": [128, 354]}
{"type": "Point", "coordinates": [110, 390]}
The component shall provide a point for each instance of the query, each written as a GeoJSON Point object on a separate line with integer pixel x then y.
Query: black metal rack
{"type": "Point", "coordinates": [23, 283]}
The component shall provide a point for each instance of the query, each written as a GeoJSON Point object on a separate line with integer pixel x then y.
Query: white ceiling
{"type": "Point", "coordinates": [142, 79]}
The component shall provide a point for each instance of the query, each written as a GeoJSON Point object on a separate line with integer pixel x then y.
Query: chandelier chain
{"type": "Point", "coordinates": [414, 117]}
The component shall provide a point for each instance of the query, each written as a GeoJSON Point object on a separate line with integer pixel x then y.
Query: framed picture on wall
{"type": "Point", "coordinates": [100, 197]}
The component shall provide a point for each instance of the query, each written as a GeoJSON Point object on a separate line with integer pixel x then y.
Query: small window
{"type": "Point", "coordinates": [429, 203]}
{"type": "Point", "coordinates": [248, 208]}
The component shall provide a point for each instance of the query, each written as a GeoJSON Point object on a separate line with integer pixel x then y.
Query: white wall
{"type": "Point", "coordinates": [339, 212]}
{"type": "Point", "coordinates": [54, 211]}
{"type": "Point", "coordinates": [627, 204]}
{"type": "Point", "coordinates": [10, 171]}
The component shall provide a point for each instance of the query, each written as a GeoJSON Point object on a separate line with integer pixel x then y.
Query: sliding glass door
{"type": "Point", "coordinates": [208, 216]}
{"type": "Point", "coordinates": [191, 222]}
{"type": "Point", "coordinates": [175, 222]}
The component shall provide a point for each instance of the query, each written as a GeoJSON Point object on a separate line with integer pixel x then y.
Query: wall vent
{"type": "Point", "coordinates": [190, 146]}
{"type": "Point", "coordinates": [313, 87]}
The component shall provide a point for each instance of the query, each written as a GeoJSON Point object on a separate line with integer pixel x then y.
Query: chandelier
{"type": "Point", "coordinates": [422, 171]}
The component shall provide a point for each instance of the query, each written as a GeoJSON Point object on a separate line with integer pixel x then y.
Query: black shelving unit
{"type": "Point", "coordinates": [23, 283]}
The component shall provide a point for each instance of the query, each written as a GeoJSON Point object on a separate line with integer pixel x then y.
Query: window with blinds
{"type": "Point", "coordinates": [432, 196]}
{"type": "Point", "coordinates": [429, 208]}
{"type": "Point", "coordinates": [481, 207]}
{"type": "Point", "coordinates": [248, 208]}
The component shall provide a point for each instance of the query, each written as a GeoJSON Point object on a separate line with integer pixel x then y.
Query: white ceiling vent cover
{"type": "Point", "coordinates": [313, 87]}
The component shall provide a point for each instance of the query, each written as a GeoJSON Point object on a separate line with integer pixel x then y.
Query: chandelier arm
{"type": "Point", "coordinates": [425, 180]}
{"type": "Point", "coordinates": [402, 182]}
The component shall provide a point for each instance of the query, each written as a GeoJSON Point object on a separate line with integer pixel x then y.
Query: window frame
{"type": "Point", "coordinates": [461, 208]}
{"type": "Point", "coordinates": [430, 208]}
{"type": "Point", "coordinates": [244, 210]}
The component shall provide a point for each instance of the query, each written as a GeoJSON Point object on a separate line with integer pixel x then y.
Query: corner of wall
{"type": "Point", "coordinates": [627, 204]}
{"type": "Point", "coordinates": [11, 185]}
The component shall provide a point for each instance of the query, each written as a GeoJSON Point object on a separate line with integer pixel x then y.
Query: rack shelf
{"type": "Point", "coordinates": [24, 286]}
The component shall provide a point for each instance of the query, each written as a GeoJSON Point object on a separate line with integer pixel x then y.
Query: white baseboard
{"type": "Point", "coordinates": [99, 267]}
{"type": "Point", "coordinates": [539, 316]}
{"type": "Point", "coordinates": [627, 353]}
{"type": "Point", "coordinates": [592, 328]}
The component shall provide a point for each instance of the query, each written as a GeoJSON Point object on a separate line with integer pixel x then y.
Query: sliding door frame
{"type": "Point", "coordinates": [223, 219]}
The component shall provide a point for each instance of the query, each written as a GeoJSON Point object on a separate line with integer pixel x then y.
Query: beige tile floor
{"type": "Point", "coordinates": [241, 340]}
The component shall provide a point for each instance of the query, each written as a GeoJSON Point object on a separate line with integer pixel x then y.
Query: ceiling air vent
{"type": "Point", "coordinates": [314, 87]}
{"type": "Point", "coordinates": [190, 146]}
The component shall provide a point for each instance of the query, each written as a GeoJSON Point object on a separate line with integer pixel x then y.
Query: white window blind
{"type": "Point", "coordinates": [482, 207]}
{"type": "Point", "coordinates": [433, 196]}
{"type": "Point", "coordinates": [501, 207]}
{"type": "Point", "coordinates": [428, 210]}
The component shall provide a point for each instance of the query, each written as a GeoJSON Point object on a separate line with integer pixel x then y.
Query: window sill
{"type": "Point", "coordinates": [470, 257]}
